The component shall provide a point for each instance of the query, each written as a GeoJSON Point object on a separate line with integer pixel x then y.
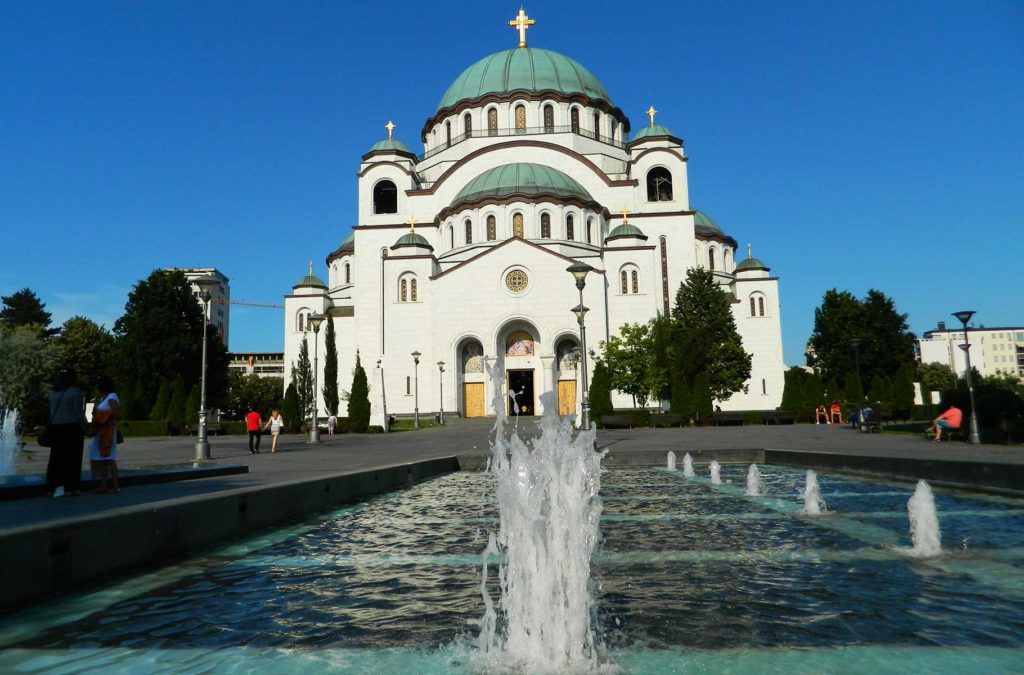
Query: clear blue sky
{"type": "Point", "coordinates": [856, 144]}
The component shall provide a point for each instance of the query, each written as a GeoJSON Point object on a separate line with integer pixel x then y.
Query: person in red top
{"type": "Point", "coordinates": [948, 420]}
{"type": "Point", "coordinates": [254, 423]}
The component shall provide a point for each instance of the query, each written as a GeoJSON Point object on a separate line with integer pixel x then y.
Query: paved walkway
{"type": "Point", "coordinates": [345, 453]}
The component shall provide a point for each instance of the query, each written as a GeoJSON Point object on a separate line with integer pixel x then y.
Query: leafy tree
{"type": "Point", "coordinates": [302, 375]}
{"type": "Point", "coordinates": [814, 392]}
{"type": "Point", "coordinates": [176, 406]}
{"type": "Point", "coordinates": [24, 308]}
{"type": "Point", "coordinates": [192, 405]}
{"type": "Point", "coordinates": [359, 399]}
{"type": "Point", "coordinates": [291, 411]}
{"type": "Point", "coordinates": [252, 392]}
{"type": "Point", "coordinates": [330, 390]}
{"type": "Point", "coordinates": [833, 392]}
{"type": "Point", "coordinates": [880, 392]}
{"type": "Point", "coordinates": [793, 392]}
{"type": "Point", "coordinates": [163, 402]}
{"type": "Point", "coordinates": [703, 403]}
{"type": "Point", "coordinates": [903, 390]}
{"type": "Point", "coordinates": [27, 363]}
{"type": "Point", "coordinates": [134, 405]}
{"type": "Point", "coordinates": [854, 391]}
{"type": "Point", "coordinates": [630, 367]}
{"type": "Point", "coordinates": [935, 377]}
{"type": "Point", "coordinates": [600, 392]}
{"type": "Point", "coordinates": [662, 331]}
{"type": "Point", "coordinates": [87, 348]}
{"type": "Point", "coordinates": [682, 397]}
{"type": "Point", "coordinates": [706, 339]}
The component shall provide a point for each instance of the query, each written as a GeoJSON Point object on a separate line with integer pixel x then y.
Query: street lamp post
{"type": "Point", "coordinates": [440, 382]}
{"type": "Point", "coordinates": [416, 400]}
{"type": "Point", "coordinates": [383, 395]}
{"type": "Point", "coordinates": [579, 272]}
{"type": "Point", "coordinates": [856, 342]}
{"type": "Point", "coordinates": [206, 284]}
{"type": "Point", "coordinates": [314, 322]}
{"type": "Point", "coordinates": [964, 317]}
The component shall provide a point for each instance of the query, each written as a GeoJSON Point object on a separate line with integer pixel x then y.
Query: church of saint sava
{"type": "Point", "coordinates": [459, 257]}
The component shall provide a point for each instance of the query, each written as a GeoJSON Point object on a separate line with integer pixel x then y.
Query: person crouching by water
{"type": "Point", "coordinates": [103, 449]}
{"type": "Point", "coordinates": [68, 426]}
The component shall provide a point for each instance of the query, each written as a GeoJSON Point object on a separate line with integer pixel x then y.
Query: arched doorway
{"type": "Point", "coordinates": [520, 348]}
{"type": "Point", "coordinates": [566, 373]}
{"type": "Point", "coordinates": [471, 374]}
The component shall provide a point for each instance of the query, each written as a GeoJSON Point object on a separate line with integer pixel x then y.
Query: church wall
{"type": "Point", "coordinates": [376, 173]}
{"type": "Point", "coordinates": [762, 337]}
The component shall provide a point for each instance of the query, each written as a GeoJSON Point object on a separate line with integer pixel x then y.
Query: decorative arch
{"type": "Point", "coordinates": [385, 197]}
{"type": "Point", "coordinates": [629, 279]}
{"type": "Point", "coordinates": [467, 124]}
{"type": "Point", "coordinates": [492, 121]}
{"type": "Point", "coordinates": [570, 223]}
{"type": "Point", "coordinates": [301, 320]}
{"type": "Point", "coordinates": [520, 343]}
{"type": "Point", "coordinates": [471, 357]}
{"type": "Point", "coordinates": [348, 273]}
{"type": "Point", "coordinates": [574, 119]}
{"type": "Point", "coordinates": [408, 287]}
{"type": "Point", "coordinates": [517, 225]}
{"type": "Point", "coordinates": [469, 231]}
{"type": "Point", "coordinates": [549, 118]}
{"type": "Point", "coordinates": [566, 353]}
{"type": "Point", "coordinates": [492, 228]}
{"type": "Point", "coordinates": [545, 225]}
{"type": "Point", "coordinates": [659, 185]}
{"type": "Point", "coordinates": [757, 304]}
{"type": "Point", "coordinates": [520, 118]}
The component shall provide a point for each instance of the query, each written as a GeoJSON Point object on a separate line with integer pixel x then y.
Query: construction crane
{"type": "Point", "coordinates": [247, 304]}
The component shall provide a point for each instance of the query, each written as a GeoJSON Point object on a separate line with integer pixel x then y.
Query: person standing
{"type": "Point", "coordinates": [332, 422]}
{"type": "Point", "coordinates": [67, 425]}
{"type": "Point", "coordinates": [103, 449]}
{"type": "Point", "coordinates": [254, 424]}
{"type": "Point", "coordinates": [276, 424]}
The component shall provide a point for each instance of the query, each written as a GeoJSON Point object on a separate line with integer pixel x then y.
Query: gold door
{"type": "Point", "coordinates": [473, 398]}
{"type": "Point", "coordinates": [566, 397]}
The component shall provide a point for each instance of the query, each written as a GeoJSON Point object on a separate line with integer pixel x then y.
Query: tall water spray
{"type": "Point", "coordinates": [716, 473]}
{"type": "Point", "coordinates": [550, 509]}
{"type": "Point", "coordinates": [753, 481]}
{"type": "Point", "coordinates": [688, 465]}
{"type": "Point", "coordinates": [924, 522]}
{"type": "Point", "coordinates": [814, 504]}
{"type": "Point", "coordinates": [8, 441]}
{"type": "Point", "coordinates": [671, 461]}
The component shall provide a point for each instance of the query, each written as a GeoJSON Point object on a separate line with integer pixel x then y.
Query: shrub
{"type": "Point", "coordinates": [641, 418]}
{"type": "Point", "coordinates": [752, 417]}
{"type": "Point", "coordinates": [359, 399]}
{"type": "Point", "coordinates": [233, 428]}
{"type": "Point", "coordinates": [140, 428]}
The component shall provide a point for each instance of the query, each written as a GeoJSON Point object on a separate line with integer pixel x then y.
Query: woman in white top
{"type": "Point", "coordinates": [276, 424]}
{"type": "Point", "coordinates": [103, 449]}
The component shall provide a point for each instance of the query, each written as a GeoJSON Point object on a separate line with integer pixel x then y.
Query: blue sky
{"type": "Point", "coordinates": [857, 145]}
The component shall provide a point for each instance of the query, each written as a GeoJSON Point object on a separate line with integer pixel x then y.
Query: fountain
{"type": "Point", "coordinates": [716, 473]}
{"type": "Point", "coordinates": [924, 522]}
{"type": "Point", "coordinates": [671, 461]}
{"type": "Point", "coordinates": [814, 504]}
{"type": "Point", "coordinates": [8, 441]}
{"type": "Point", "coordinates": [687, 466]}
{"type": "Point", "coordinates": [753, 481]}
{"type": "Point", "coordinates": [549, 512]}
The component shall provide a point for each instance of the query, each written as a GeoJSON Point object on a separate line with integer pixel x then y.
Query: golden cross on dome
{"type": "Point", "coordinates": [522, 22]}
{"type": "Point", "coordinates": [652, 112]}
{"type": "Point", "coordinates": [625, 215]}
{"type": "Point", "coordinates": [310, 268]}
{"type": "Point", "coordinates": [412, 224]}
{"type": "Point", "coordinates": [750, 251]}
{"type": "Point", "coordinates": [390, 126]}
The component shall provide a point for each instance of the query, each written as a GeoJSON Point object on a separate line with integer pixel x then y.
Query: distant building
{"type": "Point", "coordinates": [995, 351]}
{"type": "Point", "coordinates": [220, 308]}
{"type": "Point", "coordinates": [264, 364]}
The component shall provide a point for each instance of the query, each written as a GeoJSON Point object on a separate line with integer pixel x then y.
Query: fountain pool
{"type": "Point", "coordinates": [688, 575]}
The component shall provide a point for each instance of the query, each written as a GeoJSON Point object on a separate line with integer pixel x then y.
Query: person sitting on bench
{"type": "Point", "coordinates": [835, 411]}
{"type": "Point", "coordinates": [949, 420]}
{"type": "Point", "coordinates": [819, 414]}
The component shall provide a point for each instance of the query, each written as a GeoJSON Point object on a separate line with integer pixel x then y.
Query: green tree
{"type": "Point", "coordinates": [86, 347]}
{"type": "Point", "coordinates": [192, 405]}
{"type": "Point", "coordinates": [163, 402]}
{"type": "Point", "coordinates": [854, 391]}
{"type": "Point", "coordinates": [682, 397]}
{"type": "Point", "coordinates": [291, 410]}
{"type": "Point", "coordinates": [176, 406]}
{"type": "Point", "coordinates": [703, 403]}
{"type": "Point", "coordinates": [359, 399]}
{"type": "Point", "coordinates": [793, 392]}
{"type": "Point", "coordinates": [833, 392]}
{"type": "Point", "coordinates": [814, 392]}
{"type": "Point", "coordinates": [600, 392]}
{"type": "Point", "coordinates": [330, 389]}
{"type": "Point", "coordinates": [935, 377]}
{"type": "Point", "coordinates": [27, 364]}
{"type": "Point", "coordinates": [252, 392]}
{"type": "Point", "coordinates": [662, 331]}
{"type": "Point", "coordinates": [903, 391]}
{"type": "Point", "coordinates": [302, 376]}
{"type": "Point", "coordinates": [630, 367]}
{"type": "Point", "coordinates": [706, 339]}
{"type": "Point", "coordinates": [24, 308]}
{"type": "Point", "coordinates": [880, 392]}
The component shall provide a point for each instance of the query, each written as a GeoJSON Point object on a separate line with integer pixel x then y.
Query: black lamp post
{"type": "Point", "coordinates": [383, 395]}
{"type": "Point", "coordinates": [205, 284]}
{"type": "Point", "coordinates": [314, 321]}
{"type": "Point", "coordinates": [416, 400]}
{"type": "Point", "coordinates": [440, 382]}
{"type": "Point", "coordinates": [856, 342]}
{"type": "Point", "coordinates": [579, 272]}
{"type": "Point", "coordinates": [964, 317]}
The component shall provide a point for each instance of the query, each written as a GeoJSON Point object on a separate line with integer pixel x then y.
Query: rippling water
{"type": "Point", "coordinates": [686, 570]}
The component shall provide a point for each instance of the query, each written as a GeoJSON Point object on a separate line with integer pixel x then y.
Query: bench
{"type": "Point", "coordinates": [666, 420]}
{"type": "Point", "coordinates": [615, 421]}
{"type": "Point", "coordinates": [721, 418]}
{"type": "Point", "coordinates": [779, 417]}
{"type": "Point", "coordinates": [872, 421]}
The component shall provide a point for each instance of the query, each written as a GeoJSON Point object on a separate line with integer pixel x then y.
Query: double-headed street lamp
{"type": "Point", "coordinates": [416, 401]}
{"type": "Point", "coordinates": [383, 395]}
{"type": "Point", "coordinates": [579, 272]}
{"type": "Point", "coordinates": [440, 382]}
{"type": "Point", "coordinates": [205, 284]}
{"type": "Point", "coordinates": [964, 317]}
{"type": "Point", "coordinates": [314, 321]}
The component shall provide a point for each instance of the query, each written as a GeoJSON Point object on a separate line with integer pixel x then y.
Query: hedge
{"type": "Point", "coordinates": [138, 428]}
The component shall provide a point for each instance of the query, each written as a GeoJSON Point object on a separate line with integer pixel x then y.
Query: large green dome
{"type": "Point", "coordinates": [523, 68]}
{"type": "Point", "coordinates": [521, 179]}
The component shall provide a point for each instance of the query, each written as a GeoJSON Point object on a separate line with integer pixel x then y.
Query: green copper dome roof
{"type": "Point", "coordinates": [390, 145]}
{"type": "Point", "coordinates": [625, 230]}
{"type": "Point", "coordinates": [412, 239]}
{"type": "Point", "coordinates": [521, 179]}
{"type": "Point", "coordinates": [703, 223]}
{"type": "Point", "coordinates": [656, 130]}
{"type": "Point", "coordinates": [311, 281]}
{"type": "Point", "coordinates": [525, 68]}
{"type": "Point", "coordinates": [752, 263]}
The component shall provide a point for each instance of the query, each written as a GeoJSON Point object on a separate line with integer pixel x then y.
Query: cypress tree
{"type": "Point", "coordinates": [793, 393]}
{"type": "Point", "coordinates": [880, 392]}
{"type": "Point", "coordinates": [600, 392]}
{"type": "Point", "coordinates": [703, 403]}
{"type": "Point", "coordinates": [814, 393]}
{"type": "Point", "coordinates": [191, 411]}
{"type": "Point", "coordinates": [176, 406]}
{"type": "Point", "coordinates": [854, 393]}
{"type": "Point", "coordinates": [330, 389]}
{"type": "Point", "coordinates": [290, 408]}
{"type": "Point", "coordinates": [163, 399]}
{"type": "Point", "coordinates": [903, 391]}
{"type": "Point", "coordinates": [359, 399]}
{"type": "Point", "coordinates": [833, 392]}
{"type": "Point", "coordinates": [302, 376]}
{"type": "Point", "coordinates": [682, 398]}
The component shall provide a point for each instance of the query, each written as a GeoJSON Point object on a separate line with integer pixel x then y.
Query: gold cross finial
{"type": "Point", "coordinates": [390, 126]}
{"type": "Point", "coordinates": [310, 268]}
{"type": "Point", "coordinates": [652, 112]}
{"type": "Point", "coordinates": [750, 251]}
{"type": "Point", "coordinates": [625, 215]}
{"type": "Point", "coordinates": [412, 224]}
{"type": "Point", "coordinates": [522, 22]}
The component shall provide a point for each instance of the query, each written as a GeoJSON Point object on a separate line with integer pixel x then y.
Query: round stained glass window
{"type": "Point", "coordinates": [516, 280]}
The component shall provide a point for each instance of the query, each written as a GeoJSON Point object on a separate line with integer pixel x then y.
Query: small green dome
{"type": "Point", "coordinates": [703, 223]}
{"type": "Point", "coordinates": [523, 68]}
{"type": "Point", "coordinates": [650, 131]}
{"type": "Point", "coordinates": [752, 264]}
{"type": "Point", "coordinates": [625, 230]}
{"type": "Point", "coordinates": [521, 179]}
{"type": "Point", "coordinates": [390, 145]}
{"type": "Point", "coordinates": [412, 239]}
{"type": "Point", "coordinates": [310, 281]}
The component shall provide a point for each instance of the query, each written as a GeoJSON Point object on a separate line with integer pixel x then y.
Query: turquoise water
{"type": "Point", "coordinates": [689, 577]}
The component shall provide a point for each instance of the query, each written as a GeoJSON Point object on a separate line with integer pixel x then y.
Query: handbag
{"type": "Point", "coordinates": [120, 436]}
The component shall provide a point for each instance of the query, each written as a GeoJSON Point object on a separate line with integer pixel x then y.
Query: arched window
{"type": "Point", "coordinates": [300, 321]}
{"type": "Point", "coordinates": [451, 236]}
{"type": "Point", "coordinates": [412, 286]}
{"type": "Point", "coordinates": [623, 282]}
{"type": "Point", "coordinates": [407, 288]}
{"type": "Point", "coordinates": [492, 229]}
{"type": "Point", "coordinates": [549, 118]}
{"type": "Point", "coordinates": [520, 119]}
{"type": "Point", "coordinates": [472, 357]}
{"type": "Point", "coordinates": [727, 263]}
{"type": "Point", "coordinates": [659, 185]}
{"type": "Point", "coordinates": [492, 122]}
{"type": "Point", "coordinates": [757, 305]}
{"type": "Point", "coordinates": [569, 228]}
{"type": "Point", "coordinates": [385, 197]}
{"type": "Point", "coordinates": [545, 226]}
{"type": "Point", "coordinates": [753, 310]}
{"type": "Point", "coordinates": [403, 290]}
{"type": "Point", "coordinates": [634, 277]}
{"type": "Point", "coordinates": [469, 232]}
{"type": "Point", "coordinates": [348, 273]}
{"type": "Point", "coordinates": [447, 134]}
{"type": "Point", "coordinates": [760, 305]}
{"type": "Point", "coordinates": [597, 124]}
{"type": "Point", "coordinates": [517, 225]}
{"type": "Point", "coordinates": [711, 259]}
{"type": "Point", "coordinates": [467, 124]}
{"type": "Point", "coordinates": [629, 280]}
{"type": "Point", "coordinates": [574, 120]}
{"type": "Point", "coordinates": [764, 386]}
{"type": "Point", "coordinates": [590, 230]}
